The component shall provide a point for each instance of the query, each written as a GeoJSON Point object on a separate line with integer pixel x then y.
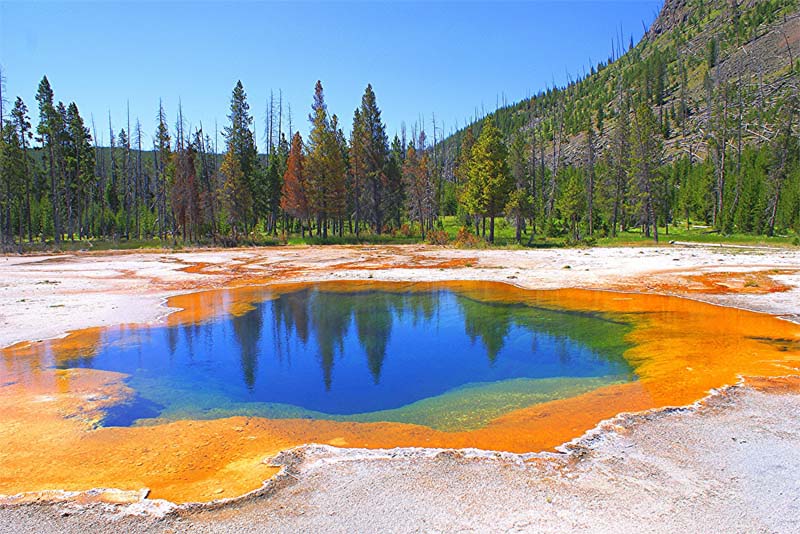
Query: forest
{"type": "Point", "coordinates": [652, 139]}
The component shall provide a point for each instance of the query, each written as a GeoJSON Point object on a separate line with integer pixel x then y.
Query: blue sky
{"type": "Point", "coordinates": [450, 59]}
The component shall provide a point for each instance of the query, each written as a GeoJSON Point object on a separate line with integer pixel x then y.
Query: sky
{"type": "Point", "coordinates": [454, 60]}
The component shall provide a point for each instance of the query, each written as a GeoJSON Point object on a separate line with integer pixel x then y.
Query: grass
{"type": "Point", "coordinates": [504, 238]}
{"type": "Point", "coordinates": [695, 235]}
{"type": "Point", "coordinates": [364, 239]}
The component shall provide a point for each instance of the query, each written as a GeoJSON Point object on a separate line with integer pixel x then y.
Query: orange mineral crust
{"type": "Point", "coordinates": [48, 425]}
{"type": "Point", "coordinates": [711, 283]}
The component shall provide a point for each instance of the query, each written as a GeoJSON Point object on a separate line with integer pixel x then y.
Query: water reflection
{"type": "Point", "coordinates": [337, 353]}
{"type": "Point", "coordinates": [247, 330]}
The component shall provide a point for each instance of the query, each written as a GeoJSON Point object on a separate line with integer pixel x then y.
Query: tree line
{"type": "Point", "coordinates": [57, 184]}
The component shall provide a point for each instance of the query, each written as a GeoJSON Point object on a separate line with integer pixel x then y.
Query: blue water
{"type": "Point", "coordinates": [343, 353]}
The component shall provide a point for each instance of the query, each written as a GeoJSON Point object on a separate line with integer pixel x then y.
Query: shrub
{"type": "Point", "coordinates": [438, 237]}
{"type": "Point", "coordinates": [466, 239]}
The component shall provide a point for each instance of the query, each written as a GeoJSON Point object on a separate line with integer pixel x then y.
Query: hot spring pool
{"type": "Point", "coordinates": [422, 355]}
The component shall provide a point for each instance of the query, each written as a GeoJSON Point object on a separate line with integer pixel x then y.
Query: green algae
{"type": "Point", "coordinates": [447, 412]}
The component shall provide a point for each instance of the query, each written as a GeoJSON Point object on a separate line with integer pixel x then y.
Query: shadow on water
{"type": "Point", "coordinates": [127, 413]}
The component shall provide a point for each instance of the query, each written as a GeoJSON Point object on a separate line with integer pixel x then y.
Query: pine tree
{"type": "Point", "coordinates": [49, 130]}
{"type": "Point", "coordinates": [395, 192]}
{"type": "Point", "coordinates": [620, 162]}
{"type": "Point", "coordinates": [111, 189]}
{"type": "Point", "coordinates": [235, 194]}
{"type": "Point", "coordinates": [419, 184]}
{"type": "Point", "coordinates": [184, 193]}
{"type": "Point", "coordinates": [783, 144]}
{"type": "Point", "coordinates": [318, 181]}
{"type": "Point", "coordinates": [337, 172]}
{"type": "Point", "coordinates": [358, 166]}
{"type": "Point", "coordinates": [22, 122]}
{"type": "Point", "coordinates": [646, 158]}
{"type": "Point", "coordinates": [376, 149]}
{"type": "Point", "coordinates": [273, 186]}
{"type": "Point", "coordinates": [490, 180]}
{"type": "Point", "coordinates": [414, 177]}
{"type": "Point", "coordinates": [590, 177]}
{"type": "Point", "coordinates": [163, 156]}
{"type": "Point", "coordinates": [80, 164]}
{"type": "Point", "coordinates": [241, 146]}
{"type": "Point", "coordinates": [294, 197]}
{"type": "Point", "coordinates": [12, 177]}
{"type": "Point", "coordinates": [571, 201]}
{"type": "Point", "coordinates": [124, 179]}
{"type": "Point", "coordinates": [325, 165]}
{"type": "Point", "coordinates": [465, 199]}
{"type": "Point", "coordinates": [520, 200]}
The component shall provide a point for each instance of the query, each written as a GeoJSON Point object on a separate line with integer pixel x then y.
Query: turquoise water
{"type": "Point", "coordinates": [432, 357]}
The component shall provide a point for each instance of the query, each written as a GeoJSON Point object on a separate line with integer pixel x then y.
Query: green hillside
{"type": "Point", "coordinates": [692, 45]}
{"type": "Point", "coordinates": [716, 83]}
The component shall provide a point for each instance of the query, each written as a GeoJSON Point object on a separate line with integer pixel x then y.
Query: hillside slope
{"type": "Point", "coordinates": [699, 59]}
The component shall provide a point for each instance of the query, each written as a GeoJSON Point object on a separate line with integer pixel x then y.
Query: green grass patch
{"type": "Point", "coordinates": [505, 238]}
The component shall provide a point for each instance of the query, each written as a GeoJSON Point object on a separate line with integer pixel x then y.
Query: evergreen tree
{"type": "Point", "coordinates": [236, 196]}
{"type": "Point", "coordinates": [358, 166]}
{"type": "Point", "coordinates": [124, 181]}
{"type": "Point", "coordinates": [461, 174]}
{"type": "Point", "coordinates": [620, 162]}
{"type": "Point", "coordinates": [375, 153]}
{"type": "Point", "coordinates": [733, 155]}
{"type": "Point", "coordinates": [419, 186]}
{"type": "Point", "coordinates": [571, 202]}
{"type": "Point", "coordinates": [184, 193]}
{"type": "Point", "coordinates": [395, 192]}
{"type": "Point", "coordinates": [80, 167]}
{"type": "Point", "coordinates": [490, 181]}
{"type": "Point", "coordinates": [12, 178]}
{"type": "Point", "coordinates": [590, 177]}
{"type": "Point", "coordinates": [520, 201]}
{"type": "Point", "coordinates": [163, 157]}
{"type": "Point", "coordinates": [273, 187]}
{"type": "Point", "coordinates": [294, 197]}
{"type": "Point", "coordinates": [326, 165]}
{"type": "Point", "coordinates": [646, 158]}
{"type": "Point", "coordinates": [241, 146]}
{"type": "Point", "coordinates": [19, 116]}
{"type": "Point", "coordinates": [338, 168]}
{"type": "Point", "coordinates": [49, 130]}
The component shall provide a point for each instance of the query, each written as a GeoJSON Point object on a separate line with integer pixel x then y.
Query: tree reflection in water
{"type": "Point", "coordinates": [335, 352]}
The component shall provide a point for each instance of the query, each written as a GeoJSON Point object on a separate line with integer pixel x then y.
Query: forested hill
{"type": "Point", "coordinates": [697, 123]}
{"type": "Point", "coordinates": [701, 63]}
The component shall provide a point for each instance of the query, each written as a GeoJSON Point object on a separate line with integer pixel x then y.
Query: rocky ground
{"type": "Point", "coordinates": [728, 464]}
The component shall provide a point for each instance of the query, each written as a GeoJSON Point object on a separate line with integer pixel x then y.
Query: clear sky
{"type": "Point", "coordinates": [451, 59]}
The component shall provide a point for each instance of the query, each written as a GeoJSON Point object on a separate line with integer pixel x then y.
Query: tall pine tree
{"type": "Point", "coordinates": [490, 182]}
